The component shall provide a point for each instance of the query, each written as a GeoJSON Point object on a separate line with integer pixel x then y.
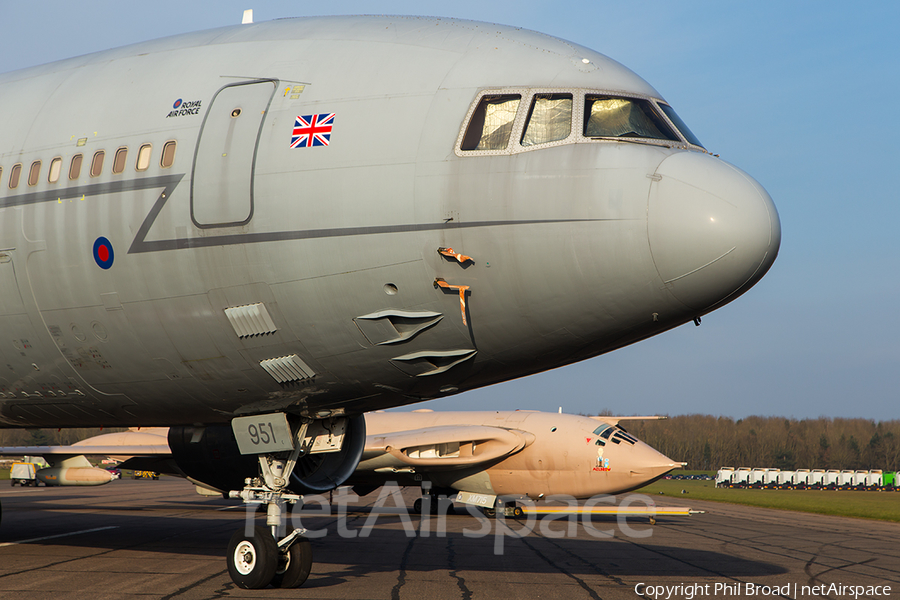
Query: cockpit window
{"type": "Point", "coordinates": [551, 117]}
{"type": "Point", "coordinates": [549, 120]}
{"type": "Point", "coordinates": [492, 123]}
{"type": "Point", "coordinates": [687, 133]}
{"type": "Point", "coordinates": [600, 429]}
{"type": "Point", "coordinates": [607, 116]}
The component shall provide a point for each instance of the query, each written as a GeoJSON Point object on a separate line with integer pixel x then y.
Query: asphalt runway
{"type": "Point", "coordinates": [159, 539]}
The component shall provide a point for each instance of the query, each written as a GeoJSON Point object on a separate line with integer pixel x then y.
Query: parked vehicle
{"type": "Point", "coordinates": [23, 473]}
{"type": "Point", "coordinates": [806, 479]}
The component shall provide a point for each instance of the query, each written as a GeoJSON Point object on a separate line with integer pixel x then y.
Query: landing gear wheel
{"type": "Point", "coordinates": [490, 512]}
{"type": "Point", "coordinates": [417, 506]}
{"type": "Point", "coordinates": [294, 565]}
{"type": "Point", "coordinates": [252, 560]}
{"type": "Point", "coordinates": [518, 512]}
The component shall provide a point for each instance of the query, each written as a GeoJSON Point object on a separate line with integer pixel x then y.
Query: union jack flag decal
{"type": "Point", "coordinates": [312, 130]}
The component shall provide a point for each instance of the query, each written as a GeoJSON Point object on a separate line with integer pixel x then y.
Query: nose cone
{"type": "Point", "coordinates": [713, 230]}
{"type": "Point", "coordinates": [646, 463]}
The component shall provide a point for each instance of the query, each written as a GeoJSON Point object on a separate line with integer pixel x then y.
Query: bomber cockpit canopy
{"type": "Point", "coordinates": [518, 120]}
{"type": "Point", "coordinates": [615, 434]}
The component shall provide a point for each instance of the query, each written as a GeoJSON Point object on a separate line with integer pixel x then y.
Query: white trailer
{"type": "Point", "coordinates": [724, 476]}
{"type": "Point", "coordinates": [845, 479]}
{"type": "Point", "coordinates": [859, 479]}
{"type": "Point", "coordinates": [757, 477]}
{"type": "Point", "coordinates": [786, 479]}
{"type": "Point", "coordinates": [770, 478]}
{"type": "Point", "coordinates": [875, 479]}
{"type": "Point", "coordinates": [816, 478]}
{"type": "Point", "coordinates": [831, 478]}
{"type": "Point", "coordinates": [741, 476]}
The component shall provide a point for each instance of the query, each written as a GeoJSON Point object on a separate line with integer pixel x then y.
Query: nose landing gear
{"type": "Point", "coordinates": [256, 557]}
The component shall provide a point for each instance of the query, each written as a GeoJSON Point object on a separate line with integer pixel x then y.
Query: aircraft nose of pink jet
{"type": "Point", "coordinates": [713, 230]}
{"type": "Point", "coordinates": [646, 463]}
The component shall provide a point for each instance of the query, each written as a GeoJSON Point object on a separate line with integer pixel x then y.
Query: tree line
{"type": "Point", "coordinates": [706, 442]}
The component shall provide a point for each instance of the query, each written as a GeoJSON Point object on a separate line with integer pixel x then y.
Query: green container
{"type": "Point", "coordinates": [889, 479]}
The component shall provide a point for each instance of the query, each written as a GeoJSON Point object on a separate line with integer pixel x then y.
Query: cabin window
{"type": "Point", "coordinates": [34, 172]}
{"type": "Point", "coordinates": [14, 175]}
{"type": "Point", "coordinates": [549, 120]}
{"type": "Point", "coordinates": [119, 160]}
{"type": "Point", "coordinates": [680, 125]}
{"type": "Point", "coordinates": [1, 173]}
{"type": "Point", "coordinates": [607, 116]}
{"type": "Point", "coordinates": [143, 158]}
{"type": "Point", "coordinates": [168, 155]}
{"type": "Point", "coordinates": [55, 168]}
{"type": "Point", "coordinates": [492, 123]}
{"type": "Point", "coordinates": [97, 163]}
{"type": "Point", "coordinates": [75, 166]}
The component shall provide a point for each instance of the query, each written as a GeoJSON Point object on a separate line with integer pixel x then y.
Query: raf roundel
{"type": "Point", "coordinates": [177, 103]}
{"type": "Point", "coordinates": [103, 253]}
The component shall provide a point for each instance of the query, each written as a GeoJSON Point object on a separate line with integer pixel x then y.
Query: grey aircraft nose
{"type": "Point", "coordinates": [713, 230]}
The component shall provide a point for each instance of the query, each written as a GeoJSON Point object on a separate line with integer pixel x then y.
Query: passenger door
{"type": "Point", "coordinates": [222, 182]}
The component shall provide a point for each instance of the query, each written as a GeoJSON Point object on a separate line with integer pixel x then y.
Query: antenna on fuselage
{"type": "Point", "coordinates": [248, 17]}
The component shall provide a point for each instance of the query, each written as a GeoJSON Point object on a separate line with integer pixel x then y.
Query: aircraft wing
{"type": "Point", "coordinates": [445, 446]}
{"type": "Point", "coordinates": [92, 450]}
{"type": "Point", "coordinates": [616, 420]}
{"type": "Point", "coordinates": [146, 442]}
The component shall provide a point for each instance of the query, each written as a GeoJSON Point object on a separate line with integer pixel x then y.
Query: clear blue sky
{"type": "Point", "coordinates": [799, 94]}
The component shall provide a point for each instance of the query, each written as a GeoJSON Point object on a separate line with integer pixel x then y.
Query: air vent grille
{"type": "Point", "coordinates": [250, 320]}
{"type": "Point", "coordinates": [286, 369]}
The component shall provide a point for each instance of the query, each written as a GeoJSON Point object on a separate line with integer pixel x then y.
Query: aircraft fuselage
{"type": "Point", "coordinates": [264, 229]}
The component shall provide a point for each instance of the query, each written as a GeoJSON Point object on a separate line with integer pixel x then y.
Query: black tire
{"type": "Point", "coordinates": [490, 512]}
{"type": "Point", "coordinates": [417, 506]}
{"type": "Point", "coordinates": [518, 512]}
{"type": "Point", "coordinates": [294, 565]}
{"type": "Point", "coordinates": [252, 559]}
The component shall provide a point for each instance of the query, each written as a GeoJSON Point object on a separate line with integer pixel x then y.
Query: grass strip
{"type": "Point", "coordinates": [883, 506]}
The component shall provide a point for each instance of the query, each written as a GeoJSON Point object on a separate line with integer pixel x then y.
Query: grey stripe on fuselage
{"type": "Point", "coordinates": [170, 182]}
{"type": "Point", "coordinates": [95, 189]}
